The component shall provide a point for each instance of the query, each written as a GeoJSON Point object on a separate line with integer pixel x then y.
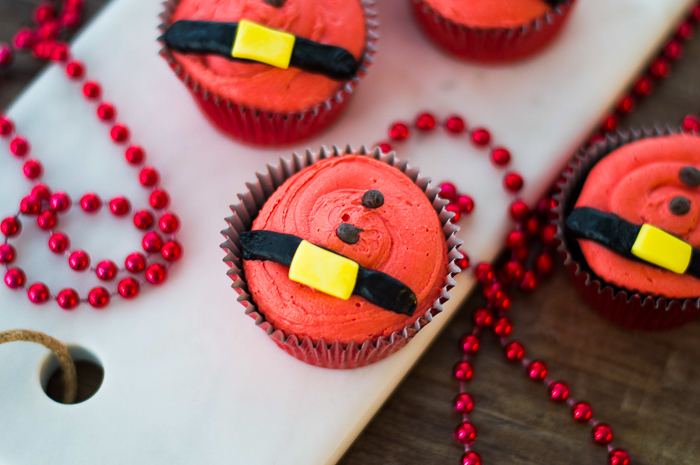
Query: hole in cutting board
{"type": "Point", "coordinates": [88, 368]}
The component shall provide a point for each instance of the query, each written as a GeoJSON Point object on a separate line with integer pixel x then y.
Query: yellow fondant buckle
{"type": "Point", "coordinates": [662, 249]}
{"type": "Point", "coordinates": [260, 43]}
{"type": "Point", "coordinates": [323, 270]}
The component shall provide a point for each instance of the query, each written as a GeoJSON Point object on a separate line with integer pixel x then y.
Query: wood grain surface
{"type": "Point", "coordinates": [646, 385]}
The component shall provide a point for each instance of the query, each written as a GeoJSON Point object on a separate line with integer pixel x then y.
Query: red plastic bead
{"type": "Point", "coordinates": [148, 177]}
{"type": "Point", "coordinates": [7, 254]}
{"type": "Point", "coordinates": [152, 242]}
{"type": "Point", "coordinates": [171, 251]}
{"type": "Point", "coordinates": [79, 260]}
{"type": "Point", "coordinates": [503, 303]}
{"type": "Point", "coordinates": [516, 240]}
{"type": "Point", "coordinates": [60, 202]}
{"type": "Point", "coordinates": [483, 317]}
{"type": "Point", "coordinates": [582, 412]}
{"type": "Point", "coordinates": [627, 104]}
{"type": "Point", "coordinates": [644, 86]}
{"type": "Point", "coordinates": [618, 457]}
{"type": "Point", "coordinates": [169, 223]}
{"type": "Point", "coordinates": [610, 123]}
{"type": "Point", "coordinates": [43, 49]}
{"type": "Point", "coordinates": [19, 146]}
{"type": "Point", "coordinates": [24, 39]}
{"type": "Point", "coordinates": [454, 209]}
{"type": "Point", "coordinates": [463, 403]}
{"type": "Point", "coordinates": [398, 131]}
{"type": "Point", "coordinates": [529, 282]}
{"type": "Point", "coordinates": [106, 270]}
{"type": "Point", "coordinates": [695, 14]}
{"type": "Point", "coordinates": [6, 126]}
{"type": "Point", "coordinates": [514, 351]}
{"type": "Point", "coordinates": [545, 205]}
{"type": "Point", "coordinates": [602, 434]}
{"type": "Point", "coordinates": [686, 31]}
{"type": "Point", "coordinates": [159, 199]}
{"type": "Point", "coordinates": [44, 13]}
{"type": "Point", "coordinates": [75, 70]}
{"type": "Point", "coordinates": [463, 371]}
{"type": "Point", "coordinates": [500, 156]}
{"type": "Point", "coordinates": [481, 137]}
{"type": "Point", "coordinates": [385, 147]}
{"type": "Point", "coordinates": [106, 112]}
{"type": "Point", "coordinates": [465, 204]}
{"type": "Point", "coordinates": [674, 50]}
{"type": "Point", "coordinates": [128, 288]}
{"type": "Point", "coordinates": [471, 458]}
{"type": "Point", "coordinates": [119, 133]}
{"type": "Point", "coordinates": [156, 273]}
{"type": "Point", "coordinates": [48, 31]}
{"type": "Point", "coordinates": [98, 297]}
{"type": "Point", "coordinates": [537, 370]}
{"type": "Point", "coordinates": [135, 262]}
{"type": "Point", "coordinates": [558, 391]}
{"type": "Point", "coordinates": [68, 299]}
{"type": "Point", "coordinates": [484, 273]}
{"type": "Point", "coordinates": [15, 278]}
{"type": "Point", "coordinates": [30, 205]}
{"type": "Point", "coordinates": [58, 243]}
{"type": "Point", "coordinates": [59, 52]}
{"type": "Point", "coordinates": [92, 90]}
{"type": "Point", "coordinates": [38, 293]}
{"type": "Point", "coordinates": [455, 124]}
{"type": "Point", "coordinates": [119, 206]}
{"type": "Point", "coordinates": [691, 123]}
{"type": "Point", "coordinates": [10, 226]}
{"type": "Point", "coordinates": [513, 182]}
{"type": "Point", "coordinates": [90, 203]}
{"type": "Point", "coordinates": [135, 155]}
{"type": "Point", "coordinates": [502, 327]}
{"type": "Point", "coordinates": [41, 192]}
{"type": "Point", "coordinates": [465, 433]}
{"type": "Point", "coordinates": [548, 233]}
{"type": "Point", "coordinates": [5, 55]}
{"type": "Point", "coordinates": [425, 122]}
{"type": "Point", "coordinates": [143, 219]}
{"type": "Point", "coordinates": [32, 169]}
{"type": "Point", "coordinates": [69, 19]}
{"type": "Point", "coordinates": [470, 344]}
{"type": "Point", "coordinates": [544, 263]}
{"type": "Point", "coordinates": [493, 292]}
{"type": "Point", "coordinates": [521, 253]}
{"type": "Point", "coordinates": [519, 210]}
{"type": "Point", "coordinates": [660, 68]}
{"type": "Point", "coordinates": [533, 227]}
{"type": "Point", "coordinates": [462, 263]}
{"type": "Point", "coordinates": [73, 5]}
{"type": "Point", "coordinates": [447, 191]}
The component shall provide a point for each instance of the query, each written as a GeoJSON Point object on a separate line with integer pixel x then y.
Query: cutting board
{"type": "Point", "coordinates": [188, 376]}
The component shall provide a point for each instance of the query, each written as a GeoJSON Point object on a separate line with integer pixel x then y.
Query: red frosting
{"type": "Point", "coordinates": [490, 13]}
{"type": "Point", "coordinates": [637, 182]}
{"type": "Point", "coordinates": [403, 238]}
{"type": "Point", "coordinates": [333, 22]}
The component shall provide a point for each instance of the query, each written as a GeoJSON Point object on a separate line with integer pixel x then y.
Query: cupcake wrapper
{"type": "Point", "coordinates": [329, 354]}
{"type": "Point", "coordinates": [491, 44]}
{"type": "Point", "coordinates": [623, 307]}
{"type": "Point", "coordinates": [262, 127]}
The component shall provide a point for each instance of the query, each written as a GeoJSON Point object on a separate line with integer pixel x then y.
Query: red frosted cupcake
{"type": "Point", "coordinates": [628, 222]}
{"type": "Point", "coordinates": [492, 30]}
{"type": "Point", "coordinates": [269, 71]}
{"type": "Point", "coordinates": [347, 257]}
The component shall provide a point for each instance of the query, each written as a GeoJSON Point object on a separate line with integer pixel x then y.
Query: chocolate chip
{"type": "Point", "coordinates": [373, 199]}
{"type": "Point", "coordinates": [275, 3]}
{"type": "Point", "coordinates": [348, 233]}
{"type": "Point", "coordinates": [679, 206]}
{"type": "Point", "coordinates": [690, 176]}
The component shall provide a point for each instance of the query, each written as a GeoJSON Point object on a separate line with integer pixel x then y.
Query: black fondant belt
{"type": "Point", "coordinates": [251, 41]}
{"type": "Point", "coordinates": [646, 242]}
{"type": "Point", "coordinates": [328, 271]}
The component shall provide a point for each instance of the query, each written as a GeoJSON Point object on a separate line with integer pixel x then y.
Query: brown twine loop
{"type": "Point", "coordinates": [70, 378]}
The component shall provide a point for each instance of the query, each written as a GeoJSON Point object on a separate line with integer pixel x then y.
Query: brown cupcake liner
{"type": "Point", "coordinates": [259, 126]}
{"type": "Point", "coordinates": [491, 44]}
{"type": "Point", "coordinates": [330, 354]}
{"type": "Point", "coordinates": [623, 307]}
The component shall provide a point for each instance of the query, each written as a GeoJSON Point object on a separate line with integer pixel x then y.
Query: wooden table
{"type": "Point", "coordinates": [646, 385]}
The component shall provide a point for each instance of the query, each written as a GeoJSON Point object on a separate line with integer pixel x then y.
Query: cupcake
{"type": "Point", "coordinates": [491, 30]}
{"type": "Point", "coordinates": [341, 257]}
{"type": "Point", "coordinates": [628, 224]}
{"type": "Point", "coordinates": [269, 71]}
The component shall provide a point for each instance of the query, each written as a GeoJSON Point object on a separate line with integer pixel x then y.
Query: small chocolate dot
{"type": "Point", "coordinates": [275, 3]}
{"type": "Point", "coordinates": [348, 233]}
{"type": "Point", "coordinates": [690, 176]}
{"type": "Point", "coordinates": [373, 199]}
{"type": "Point", "coordinates": [679, 206]}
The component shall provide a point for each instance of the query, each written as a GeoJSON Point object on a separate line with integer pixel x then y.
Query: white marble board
{"type": "Point", "coordinates": [188, 377]}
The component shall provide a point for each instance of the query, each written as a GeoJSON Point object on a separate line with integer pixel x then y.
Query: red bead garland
{"type": "Point", "coordinates": [46, 206]}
